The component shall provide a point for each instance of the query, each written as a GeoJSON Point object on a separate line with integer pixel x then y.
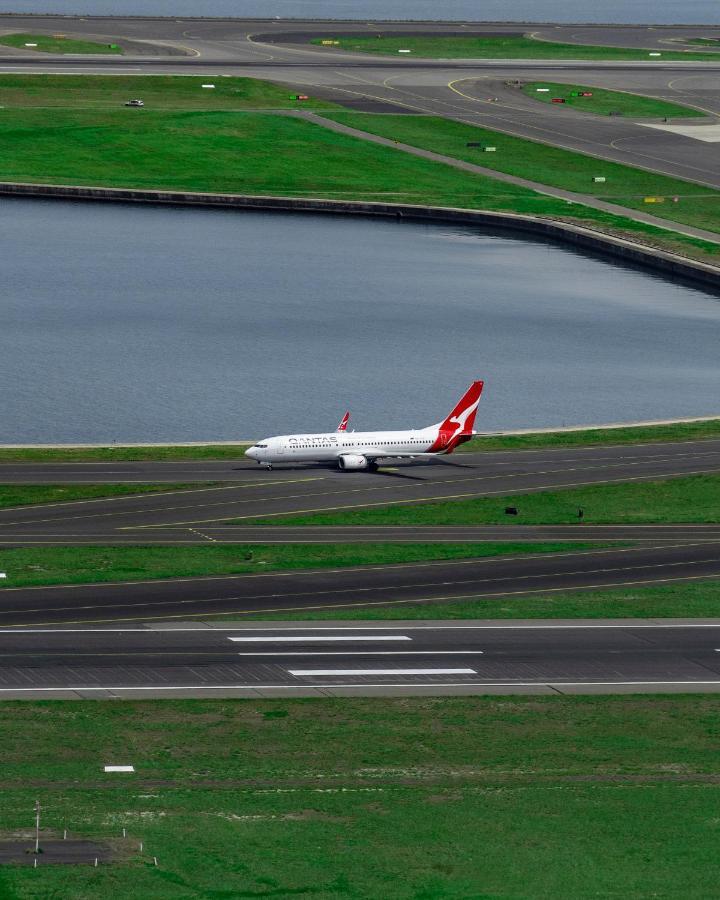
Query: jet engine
{"type": "Point", "coordinates": [353, 462]}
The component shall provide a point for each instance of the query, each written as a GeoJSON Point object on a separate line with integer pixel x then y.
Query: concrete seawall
{"type": "Point", "coordinates": [671, 264]}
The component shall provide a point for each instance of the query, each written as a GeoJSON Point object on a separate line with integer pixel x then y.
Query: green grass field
{"type": "Point", "coordinates": [48, 44]}
{"type": "Point", "coordinates": [604, 102]}
{"type": "Point", "coordinates": [28, 567]}
{"type": "Point", "coordinates": [158, 91]}
{"type": "Point", "coordinates": [506, 47]}
{"type": "Point", "coordinates": [681, 431]}
{"type": "Point", "coordinates": [684, 600]}
{"type": "Point", "coordinates": [414, 799]}
{"type": "Point", "coordinates": [692, 498]}
{"type": "Point", "coordinates": [697, 205]}
{"type": "Point", "coordinates": [25, 494]}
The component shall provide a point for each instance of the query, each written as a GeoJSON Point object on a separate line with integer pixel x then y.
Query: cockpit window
{"type": "Point", "coordinates": [261, 446]}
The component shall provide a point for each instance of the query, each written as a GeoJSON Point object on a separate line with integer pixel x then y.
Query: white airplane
{"type": "Point", "coordinates": [361, 450]}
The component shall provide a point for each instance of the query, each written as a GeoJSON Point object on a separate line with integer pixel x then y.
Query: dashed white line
{"type": "Point", "coordinates": [303, 672]}
{"type": "Point", "coordinates": [347, 653]}
{"type": "Point", "coordinates": [312, 638]}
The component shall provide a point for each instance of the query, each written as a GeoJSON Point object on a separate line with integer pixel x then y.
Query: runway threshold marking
{"type": "Point", "coordinates": [312, 638]}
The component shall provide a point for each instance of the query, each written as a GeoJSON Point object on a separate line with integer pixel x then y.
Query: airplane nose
{"type": "Point", "coordinates": [251, 452]}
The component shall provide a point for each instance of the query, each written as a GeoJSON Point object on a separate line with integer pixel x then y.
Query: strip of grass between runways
{"type": "Point", "coordinates": [690, 498]}
{"type": "Point", "coordinates": [603, 102]}
{"type": "Point", "coordinates": [592, 437]}
{"type": "Point", "coordinates": [684, 600]}
{"type": "Point", "coordinates": [27, 494]}
{"type": "Point", "coordinates": [180, 92]}
{"type": "Point", "coordinates": [45, 43]}
{"type": "Point", "coordinates": [94, 564]}
{"type": "Point", "coordinates": [697, 204]}
{"type": "Point", "coordinates": [500, 47]}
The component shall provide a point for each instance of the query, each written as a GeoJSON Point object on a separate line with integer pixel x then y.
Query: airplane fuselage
{"type": "Point", "coordinates": [352, 450]}
{"type": "Point", "coordinates": [329, 446]}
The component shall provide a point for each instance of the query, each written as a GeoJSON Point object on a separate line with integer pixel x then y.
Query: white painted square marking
{"type": "Point", "coordinates": [708, 133]}
{"type": "Point", "coordinates": [119, 768]}
{"type": "Point", "coordinates": [313, 638]}
{"type": "Point", "coordinates": [382, 672]}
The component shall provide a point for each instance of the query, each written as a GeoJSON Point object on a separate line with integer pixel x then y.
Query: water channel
{"type": "Point", "coordinates": [120, 322]}
{"type": "Point", "coordinates": [658, 12]}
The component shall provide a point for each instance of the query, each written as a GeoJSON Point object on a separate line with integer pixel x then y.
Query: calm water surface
{"type": "Point", "coordinates": [135, 323]}
{"type": "Point", "coordinates": [660, 12]}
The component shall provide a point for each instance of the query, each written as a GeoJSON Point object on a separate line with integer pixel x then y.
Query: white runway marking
{"type": "Point", "coordinates": [119, 768]}
{"type": "Point", "coordinates": [301, 672]}
{"type": "Point", "coordinates": [312, 638]}
{"type": "Point", "coordinates": [347, 653]}
{"type": "Point", "coordinates": [708, 133]}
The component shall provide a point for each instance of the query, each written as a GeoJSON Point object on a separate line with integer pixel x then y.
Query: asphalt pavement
{"type": "Point", "coordinates": [356, 659]}
{"type": "Point", "coordinates": [236, 492]}
{"type": "Point", "coordinates": [215, 500]}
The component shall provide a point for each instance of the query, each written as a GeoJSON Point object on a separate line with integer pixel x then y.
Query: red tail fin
{"type": "Point", "coordinates": [344, 424]}
{"type": "Point", "coordinates": [458, 426]}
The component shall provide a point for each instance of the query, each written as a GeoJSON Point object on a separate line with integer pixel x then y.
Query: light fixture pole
{"type": "Point", "coordinates": [37, 826]}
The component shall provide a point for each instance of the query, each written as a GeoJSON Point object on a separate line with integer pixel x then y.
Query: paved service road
{"type": "Point", "coordinates": [358, 659]}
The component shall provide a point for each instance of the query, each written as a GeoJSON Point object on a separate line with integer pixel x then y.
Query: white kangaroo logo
{"type": "Point", "coordinates": [461, 419]}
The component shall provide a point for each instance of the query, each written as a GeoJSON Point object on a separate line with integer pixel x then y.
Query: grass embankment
{"type": "Point", "coordinates": [561, 797]}
{"type": "Point", "coordinates": [688, 431]}
{"type": "Point", "coordinates": [684, 600]}
{"type": "Point", "coordinates": [504, 47]}
{"type": "Point", "coordinates": [221, 151]}
{"type": "Point", "coordinates": [91, 565]}
{"type": "Point", "coordinates": [165, 453]}
{"type": "Point", "coordinates": [697, 204]}
{"type": "Point", "coordinates": [692, 498]}
{"type": "Point", "coordinates": [27, 494]}
{"type": "Point", "coordinates": [594, 437]}
{"type": "Point", "coordinates": [50, 44]}
{"type": "Point", "coordinates": [604, 102]}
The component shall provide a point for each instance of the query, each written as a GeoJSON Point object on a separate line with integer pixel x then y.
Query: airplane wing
{"type": "Point", "coordinates": [418, 455]}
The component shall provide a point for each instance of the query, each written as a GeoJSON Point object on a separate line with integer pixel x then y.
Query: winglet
{"type": "Point", "coordinates": [344, 423]}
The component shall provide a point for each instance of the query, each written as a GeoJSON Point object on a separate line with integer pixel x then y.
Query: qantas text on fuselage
{"type": "Point", "coordinates": [357, 450]}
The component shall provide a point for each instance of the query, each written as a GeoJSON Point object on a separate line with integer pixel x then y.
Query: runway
{"type": "Point", "coordinates": [484, 579]}
{"type": "Point", "coordinates": [227, 512]}
{"type": "Point", "coordinates": [241, 493]}
{"type": "Point", "coordinates": [362, 659]}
